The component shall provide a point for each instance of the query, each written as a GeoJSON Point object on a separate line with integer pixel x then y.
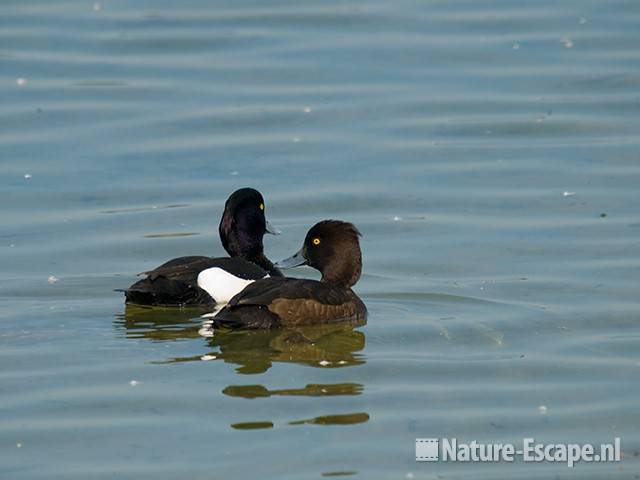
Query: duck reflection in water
{"type": "Point", "coordinates": [322, 346]}
{"type": "Point", "coordinates": [254, 351]}
{"type": "Point", "coordinates": [159, 323]}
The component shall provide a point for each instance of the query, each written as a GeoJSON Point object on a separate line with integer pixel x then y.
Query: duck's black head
{"type": "Point", "coordinates": [243, 224]}
{"type": "Point", "coordinates": [333, 248]}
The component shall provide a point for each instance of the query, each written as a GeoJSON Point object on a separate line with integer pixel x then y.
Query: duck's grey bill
{"type": "Point", "coordinates": [294, 261]}
{"type": "Point", "coordinates": [272, 230]}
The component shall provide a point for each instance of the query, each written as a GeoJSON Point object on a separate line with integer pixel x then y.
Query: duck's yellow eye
{"type": "Point", "coordinates": [316, 241]}
{"type": "Point", "coordinates": [262, 206]}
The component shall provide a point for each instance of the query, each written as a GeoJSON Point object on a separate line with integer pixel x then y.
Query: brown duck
{"type": "Point", "coordinates": [333, 248]}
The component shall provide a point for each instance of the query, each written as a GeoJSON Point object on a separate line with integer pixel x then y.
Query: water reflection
{"type": "Point", "coordinates": [344, 419]}
{"type": "Point", "coordinates": [253, 351]}
{"type": "Point", "coordinates": [341, 419]}
{"type": "Point", "coordinates": [311, 390]}
{"type": "Point", "coordinates": [324, 346]}
{"type": "Point", "coordinates": [256, 351]}
{"type": "Point", "coordinates": [251, 425]}
{"type": "Point", "coordinates": [161, 324]}
{"type": "Point", "coordinates": [345, 473]}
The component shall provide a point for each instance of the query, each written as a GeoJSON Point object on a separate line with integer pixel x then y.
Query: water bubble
{"type": "Point", "coordinates": [296, 139]}
{"type": "Point", "coordinates": [306, 109]}
{"type": "Point", "coordinates": [582, 20]}
{"type": "Point", "coordinates": [18, 445]}
{"type": "Point", "coordinates": [21, 82]}
{"type": "Point", "coordinates": [52, 279]}
{"type": "Point", "coordinates": [568, 194]}
{"type": "Point", "coordinates": [133, 383]}
{"type": "Point", "coordinates": [234, 173]}
{"type": "Point", "coordinates": [542, 409]}
{"type": "Point", "coordinates": [516, 46]}
{"type": "Point", "coordinates": [27, 176]}
{"type": "Point", "coordinates": [97, 7]}
{"type": "Point", "coordinates": [397, 219]}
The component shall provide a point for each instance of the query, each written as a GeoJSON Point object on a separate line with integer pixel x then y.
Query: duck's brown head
{"type": "Point", "coordinates": [333, 248]}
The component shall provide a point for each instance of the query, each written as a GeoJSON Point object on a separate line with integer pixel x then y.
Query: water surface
{"type": "Point", "coordinates": [488, 151]}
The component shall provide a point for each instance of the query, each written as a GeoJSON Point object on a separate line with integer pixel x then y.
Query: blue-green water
{"type": "Point", "coordinates": [488, 151]}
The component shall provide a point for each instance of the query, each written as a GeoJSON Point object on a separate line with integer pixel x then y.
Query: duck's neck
{"type": "Point", "coordinates": [345, 275]}
{"type": "Point", "coordinates": [262, 261]}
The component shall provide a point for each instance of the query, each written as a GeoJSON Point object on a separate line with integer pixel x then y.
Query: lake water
{"type": "Point", "coordinates": [488, 151]}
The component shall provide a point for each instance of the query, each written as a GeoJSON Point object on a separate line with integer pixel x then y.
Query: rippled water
{"type": "Point", "coordinates": [488, 151]}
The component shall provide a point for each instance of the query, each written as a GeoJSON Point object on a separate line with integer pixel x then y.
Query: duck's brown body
{"type": "Point", "coordinates": [286, 302]}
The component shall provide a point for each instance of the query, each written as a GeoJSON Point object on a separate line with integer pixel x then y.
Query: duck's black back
{"type": "Point", "coordinates": [176, 281]}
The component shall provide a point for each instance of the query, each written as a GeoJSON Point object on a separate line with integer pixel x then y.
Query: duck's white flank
{"type": "Point", "coordinates": [220, 284]}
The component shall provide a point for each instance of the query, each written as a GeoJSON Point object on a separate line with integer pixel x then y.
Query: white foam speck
{"type": "Point", "coordinates": [516, 46]}
{"type": "Point", "coordinates": [397, 219]}
{"type": "Point", "coordinates": [324, 363]}
{"type": "Point", "coordinates": [582, 20]}
{"type": "Point", "coordinates": [206, 358]}
{"type": "Point", "coordinates": [21, 82]}
{"type": "Point", "coordinates": [296, 139]}
{"type": "Point", "coordinates": [567, 43]}
{"type": "Point", "coordinates": [234, 173]}
{"type": "Point", "coordinates": [133, 383]}
{"type": "Point", "coordinates": [52, 279]}
{"type": "Point", "coordinates": [97, 7]}
{"type": "Point", "coordinates": [409, 475]}
{"type": "Point", "coordinates": [542, 409]}
{"type": "Point", "coordinates": [27, 176]}
{"type": "Point", "coordinates": [306, 109]}
{"type": "Point", "coordinates": [342, 362]}
{"type": "Point", "coordinates": [18, 445]}
{"type": "Point", "coordinates": [568, 194]}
